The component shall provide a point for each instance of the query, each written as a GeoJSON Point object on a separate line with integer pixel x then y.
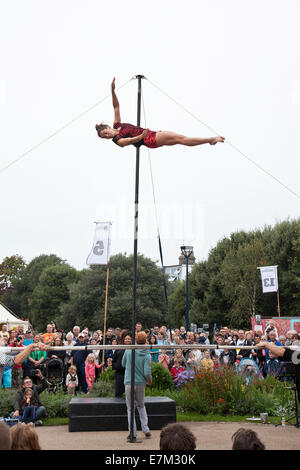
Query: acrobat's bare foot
{"type": "Point", "coordinates": [215, 140]}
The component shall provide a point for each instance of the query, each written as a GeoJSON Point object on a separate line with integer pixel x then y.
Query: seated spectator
{"type": "Point", "coordinates": [24, 437]}
{"type": "Point", "coordinates": [207, 364]}
{"type": "Point", "coordinates": [5, 437]}
{"type": "Point", "coordinates": [176, 436]}
{"type": "Point", "coordinates": [28, 406]}
{"type": "Point", "coordinates": [246, 439]}
{"type": "Point", "coordinates": [164, 359]}
{"type": "Point", "coordinates": [37, 390]}
{"type": "Point", "coordinates": [176, 369]}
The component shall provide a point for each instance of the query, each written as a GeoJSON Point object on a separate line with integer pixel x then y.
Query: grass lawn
{"type": "Point", "coordinates": [179, 417]}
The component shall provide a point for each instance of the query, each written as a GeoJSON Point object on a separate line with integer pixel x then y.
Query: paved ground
{"type": "Point", "coordinates": [210, 436]}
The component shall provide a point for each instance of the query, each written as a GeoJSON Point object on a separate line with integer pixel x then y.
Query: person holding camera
{"type": "Point", "coordinates": [40, 411]}
{"type": "Point", "coordinates": [36, 360]}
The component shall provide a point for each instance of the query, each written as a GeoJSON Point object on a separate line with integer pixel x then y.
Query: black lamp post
{"type": "Point", "coordinates": [187, 251]}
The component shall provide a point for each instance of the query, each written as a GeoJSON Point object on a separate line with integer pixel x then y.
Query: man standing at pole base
{"type": "Point", "coordinates": [142, 378]}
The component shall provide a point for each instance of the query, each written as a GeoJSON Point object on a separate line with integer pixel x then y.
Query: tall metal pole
{"type": "Point", "coordinates": [187, 326]}
{"type": "Point", "coordinates": [136, 215]}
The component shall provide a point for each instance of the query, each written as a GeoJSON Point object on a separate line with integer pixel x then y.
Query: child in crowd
{"type": "Point", "coordinates": [90, 370]}
{"type": "Point", "coordinates": [207, 363]}
{"type": "Point", "coordinates": [164, 359]}
{"type": "Point", "coordinates": [176, 369]}
{"type": "Point", "coordinates": [191, 362]}
{"type": "Point", "coordinates": [29, 406]}
{"type": "Point", "coordinates": [72, 380]}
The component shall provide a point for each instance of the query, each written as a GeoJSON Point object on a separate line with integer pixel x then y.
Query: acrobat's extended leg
{"type": "Point", "coordinates": [171, 138]}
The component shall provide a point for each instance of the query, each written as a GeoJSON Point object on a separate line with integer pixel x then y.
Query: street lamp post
{"type": "Point", "coordinates": [187, 251]}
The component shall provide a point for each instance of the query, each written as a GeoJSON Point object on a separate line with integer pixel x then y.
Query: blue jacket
{"type": "Point", "coordinates": [142, 367]}
{"type": "Point", "coordinates": [80, 356]}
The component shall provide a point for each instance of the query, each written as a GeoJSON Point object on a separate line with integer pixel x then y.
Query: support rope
{"type": "Point", "coordinates": [228, 142]}
{"type": "Point", "coordinates": [23, 155]}
{"type": "Point", "coordinates": [157, 226]}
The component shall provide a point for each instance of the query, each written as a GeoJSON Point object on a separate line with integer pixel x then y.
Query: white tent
{"type": "Point", "coordinates": [6, 316]}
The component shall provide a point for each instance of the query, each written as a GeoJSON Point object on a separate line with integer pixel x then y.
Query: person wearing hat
{"type": "Point", "coordinates": [78, 358]}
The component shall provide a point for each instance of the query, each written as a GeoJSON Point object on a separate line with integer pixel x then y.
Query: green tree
{"type": "Point", "coordinates": [50, 292]}
{"type": "Point", "coordinates": [87, 297]}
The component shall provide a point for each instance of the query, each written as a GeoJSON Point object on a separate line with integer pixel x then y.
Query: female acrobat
{"type": "Point", "coordinates": [124, 134]}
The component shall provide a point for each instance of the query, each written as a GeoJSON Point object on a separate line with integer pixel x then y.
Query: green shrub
{"type": "Point", "coordinates": [7, 398]}
{"type": "Point", "coordinates": [161, 377]}
{"type": "Point", "coordinates": [107, 376]}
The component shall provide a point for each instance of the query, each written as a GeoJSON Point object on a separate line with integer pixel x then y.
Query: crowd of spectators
{"type": "Point", "coordinates": [81, 368]}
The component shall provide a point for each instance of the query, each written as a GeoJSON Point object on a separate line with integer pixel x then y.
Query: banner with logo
{"type": "Point", "coordinates": [101, 246]}
{"type": "Point", "coordinates": [269, 279]}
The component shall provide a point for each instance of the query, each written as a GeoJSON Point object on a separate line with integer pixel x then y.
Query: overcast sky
{"type": "Point", "coordinates": [233, 65]}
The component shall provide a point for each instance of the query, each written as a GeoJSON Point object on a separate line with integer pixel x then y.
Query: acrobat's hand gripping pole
{"type": "Point", "coordinates": [136, 214]}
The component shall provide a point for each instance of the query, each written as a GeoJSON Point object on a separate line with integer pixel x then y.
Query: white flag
{"type": "Point", "coordinates": [101, 246]}
{"type": "Point", "coordinates": [269, 279]}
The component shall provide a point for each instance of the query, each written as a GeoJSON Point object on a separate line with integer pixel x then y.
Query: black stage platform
{"type": "Point", "coordinates": [110, 414]}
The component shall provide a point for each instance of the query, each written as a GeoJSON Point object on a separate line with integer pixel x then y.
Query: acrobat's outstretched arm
{"type": "Point", "coordinates": [115, 102]}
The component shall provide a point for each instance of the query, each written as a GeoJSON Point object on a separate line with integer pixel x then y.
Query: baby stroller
{"type": "Point", "coordinates": [249, 369]}
{"type": "Point", "coordinates": [54, 373]}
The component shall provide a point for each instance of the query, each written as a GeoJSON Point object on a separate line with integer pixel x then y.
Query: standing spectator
{"type": "Point", "coordinates": [272, 339]}
{"type": "Point", "coordinates": [76, 331]}
{"type": "Point", "coordinates": [17, 370]}
{"type": "Point", "coordinates": [96, 337]}
{"type": "Point", "coordinates": [216, 353]}
{"type": "Point", "coordinates": [155, 330]}
{"type": "Point", "coordinates": [110, 352]}
{"type": "Point", "coordinates": [282, 339]}
{"type": "Point", "coordinates": [49, 335]}
{"type": "Point", "coordinates": [36, 360]}
{"type": "Point", "coordinates": [4, 332]}
{"type": "Point", "coordinates": [182, 332]}
{"type": "Point", "coordinates": [154, 352]}
{"type": "Point", "coordinates": [78, 358]}
{"type": "Point", "coordinates": [142, 378]}
{"type": "Point", "coordinates": [109, 336]}
{"type": "Point", "coordinates": [119, 370]}
{"type": "Point", "coordinates": [69, 341]}
{"type": "Point", "coordinates": [271, 326]}
{"type": "Point", "coordinates": [248, 341]}
{"type": "Point", "coordinates": [28, 340]}
{"type": "Point", "coordinates": [90, 370]}
{"type": "Point", "coordinates": [71, 380]}
{"type": "Point", "coordinates": [138, 327]}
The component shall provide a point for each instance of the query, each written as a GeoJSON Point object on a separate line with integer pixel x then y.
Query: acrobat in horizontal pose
{"type": "Point", "coordinates": [124, 134]}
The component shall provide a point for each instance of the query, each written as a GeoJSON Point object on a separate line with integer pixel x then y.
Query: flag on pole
{"type": "Point", "coordinates": [101, 246]}
{"type": "Point", "coordinates": [269, 279]}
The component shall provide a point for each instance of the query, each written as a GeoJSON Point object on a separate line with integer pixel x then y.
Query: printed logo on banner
{"type": "Point", "coordinates": [101, 246]}
{"type": "Point", "coordinates": [269, 279]}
